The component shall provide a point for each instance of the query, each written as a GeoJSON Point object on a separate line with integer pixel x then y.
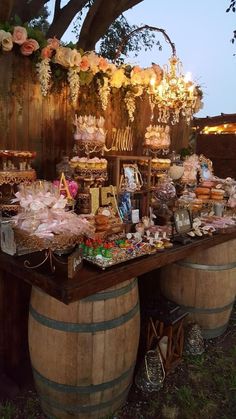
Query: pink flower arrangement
{"type": "Point", "coordinates": [19, 35]}
{"type": "Point", "coordinates": [135, 80]}
{"type": "Point", "coordinates": [53, 43]}
{"type": "Point", "coordinates": [72, 187]}
{"type": "Point", "coordinates": [29, 46]}
{"type": "Point", "coordinates": [46, 52]}
{"type": "Point", "coordinates": [84, 64]}
{"type": "Point", "coordinates": [103, 64]}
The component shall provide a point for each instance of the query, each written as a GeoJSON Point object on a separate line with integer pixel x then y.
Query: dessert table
{"type": "Point", "coordinates": [90, 279]}
{"type": "Point", "coordinates": [96, 309]}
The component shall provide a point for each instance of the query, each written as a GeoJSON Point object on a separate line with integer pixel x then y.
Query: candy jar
{"type": "Point", "coordinates": [64, 167]}
{"type": "Point", "coordinates": [164, 194]}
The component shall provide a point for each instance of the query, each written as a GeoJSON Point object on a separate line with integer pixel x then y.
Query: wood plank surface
{"type": "Point", "coordinates": [90, 279]}
{"type": "Point", "coordinates": [29, 121]}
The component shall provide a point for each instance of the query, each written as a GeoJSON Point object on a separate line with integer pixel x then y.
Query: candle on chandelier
{"type": "Point", "coordinates": [152, 83]}
{"type": "Point", "coordinates": [188, 77]}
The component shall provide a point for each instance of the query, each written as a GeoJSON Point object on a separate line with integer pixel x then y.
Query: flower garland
{"type": "Point", "coordinates": [83, 67]}
{"type": "Point", "coordinates": [104, 91]}
{"type": "Point", "coordinates": [74, 83]}
{"type": "Point", "coordinates": [44, 75]}
{"type": "Point", "coordinates": [19, 37]}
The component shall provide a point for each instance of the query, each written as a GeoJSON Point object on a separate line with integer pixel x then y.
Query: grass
{"type": "Point", "coordinates": [200, 387]}
{"type": "Point", "coordinates": [8, 410]}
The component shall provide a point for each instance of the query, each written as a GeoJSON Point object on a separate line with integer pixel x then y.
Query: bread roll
{"type": "Point", "coordinates": [202, 191]}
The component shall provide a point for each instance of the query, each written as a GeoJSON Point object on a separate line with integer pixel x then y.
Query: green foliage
{"type": "Point", "coordinates": [232, 8]}
{"type": "Point", "coordinates": [7, 410]}
{"type": "Point", "coordinates": [6, 26]}
{"type": "Point", "coordinates": [33, 30]}
{"type": "Point", "coordinates": [197, 360]}
{"type": "Point", "coordinates": [85, 77]}
{"type": "Point", "coordinates": [117, 32]}
{"type": "Point", "coordinates": [37, 34]}
{"type": "Point", "coordinates": [186, 397]}
{"type": "Point", "coordinates": [71, 45]}
{"type": "Point", "coordinates": [40, 22]}
{"type": "Point", "coordinates": [119, 29]}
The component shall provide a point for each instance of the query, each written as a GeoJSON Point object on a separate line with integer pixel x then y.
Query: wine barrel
{"type": "Point", "coordinates": [204, 284]}
{"type": "Point", "coordinates": [83, 354]}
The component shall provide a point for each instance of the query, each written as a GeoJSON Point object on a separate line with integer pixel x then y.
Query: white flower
{"type": "Point", "coordinates": [67, 57]}
{"type": "Point", "coordinates": [130, 105]}
{"type": "Point", "coordinates": [6, 40]}
{"type": "Point", "coordinates": [74, 83]}
{"type": "Point", "coordinates": [118, 78]}
{"type": "Point", "coordinates": [136, 78]}
{"type": "Point", "coordinates": [44, 74]}
{"type": "Point", "coordinates": [93, 61]}
{"type": "Point", "coordinates": [104, 92]}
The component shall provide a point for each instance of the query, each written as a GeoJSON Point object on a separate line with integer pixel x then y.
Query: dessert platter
{"type": "Point", "coordinates": [86, 168]}
{"type": "Point", "coordinates": [15, 168]}
{"type": "Point", "coordinates": [90, 133]}
{"type": "Point", "coordinates": [157, 137]}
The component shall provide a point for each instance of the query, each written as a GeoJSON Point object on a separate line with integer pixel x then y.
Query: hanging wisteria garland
{"type": "Point", "coordinates": [84, 67]}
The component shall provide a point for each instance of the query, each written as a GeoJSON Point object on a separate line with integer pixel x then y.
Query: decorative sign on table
{"type": "Point", "coordinates": [182, 221]}
{"type": "Point", "coordinates": [75, 262]}
{"type": "Point", "coordinates": [183, 225]}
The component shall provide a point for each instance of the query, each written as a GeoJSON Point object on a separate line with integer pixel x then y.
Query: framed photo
{"type": "Point", "coordinates": [206, 169]}
{"type": "Point", "coordinates": [131, 179]}
{"type": "Point", "coordinates": [182, 220]}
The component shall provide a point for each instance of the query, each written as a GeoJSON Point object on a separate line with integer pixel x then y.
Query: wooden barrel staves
{"type": "Point", "coordinates": [83, 355]}
{"type": "Point", "coordinates": [204, 285]}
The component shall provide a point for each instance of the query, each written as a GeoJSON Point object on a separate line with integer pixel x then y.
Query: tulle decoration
{"type": "Point", "coordinates": [43, 214]}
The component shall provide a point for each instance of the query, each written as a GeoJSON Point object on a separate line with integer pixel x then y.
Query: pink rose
{"type": "Point", "coordinates": [84, 64]}
{"type": "Point", "coordinates": [103, 64]}
{"type": "Point", "coordinates": [29, 46]}
{"type": "Point", "coordinates": [46, 52]}
{"type": "Point", "coordinates": [19, 35]}
{"type": "Point", "coordinates": [53, 43]}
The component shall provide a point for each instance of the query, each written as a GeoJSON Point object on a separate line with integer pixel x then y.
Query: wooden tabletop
{"type": "Point", "coordinates": [91, 279]}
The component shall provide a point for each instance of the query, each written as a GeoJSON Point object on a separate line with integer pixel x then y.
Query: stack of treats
{"type": "Point", "coordinates": [206, 194]}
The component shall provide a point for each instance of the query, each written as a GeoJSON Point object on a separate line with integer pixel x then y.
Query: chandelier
{"type": "Point", "coordinates": [176, 96]}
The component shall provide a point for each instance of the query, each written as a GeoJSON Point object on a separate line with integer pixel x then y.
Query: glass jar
{"type": "Point", "coordinates": [165, 189]}
{"type": "Point", "coordinates": [64, 167]}
{"type": "Point", "coordinates": [151, 374]}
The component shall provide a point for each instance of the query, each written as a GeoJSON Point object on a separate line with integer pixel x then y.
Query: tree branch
{"type": "Point", "coordinates": [141, 28]}
{"type": "Point", "coordinates": [27, 10]}
{"type": "Point", "coordinates": [98, 19]}
{"type": "Point", "coordinates": [57, 7]}
{"type": "Point", "coordinates": [5, 10]}
{"type": "Point", "coordinates": [64, 16]}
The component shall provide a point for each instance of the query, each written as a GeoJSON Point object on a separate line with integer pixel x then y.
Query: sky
{"type": "Point", "coordinates": [201, 31]}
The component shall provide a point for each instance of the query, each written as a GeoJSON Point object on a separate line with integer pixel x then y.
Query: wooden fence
{"type": "Point", "coordinates": [29, 121]}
